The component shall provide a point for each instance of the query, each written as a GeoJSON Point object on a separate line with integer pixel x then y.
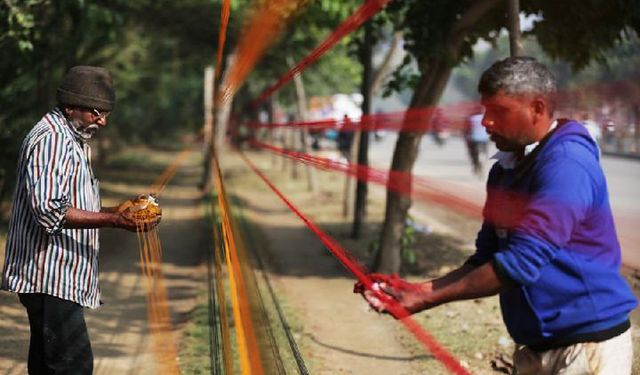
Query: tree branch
{"type": "Point", "coordinates": [381, 72]}
{"type": "Point", "coordinates": [471, 17]}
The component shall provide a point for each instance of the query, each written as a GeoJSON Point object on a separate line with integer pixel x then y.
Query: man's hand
{"type": "Point", "coordinates": [129, 218]}
{"type": "Point", "coordinates": [124, 220]}
{"type": "Point", "coordinates": [466, 282]}
{"type": "Point", "coordinates": [413, 297]}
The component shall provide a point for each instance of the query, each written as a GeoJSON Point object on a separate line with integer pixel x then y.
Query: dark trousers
{"type": "Point", "coordinates": [475, 149]}
{"type": "Point", "coordinates": [59, 338]}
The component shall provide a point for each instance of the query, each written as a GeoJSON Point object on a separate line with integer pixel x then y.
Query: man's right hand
{"type": "Point", "coordinates": [82, 219]}
{"type": "Point", "coordinates": [413, 297]}
{"type": "Point", "coordinates": [124, 220]}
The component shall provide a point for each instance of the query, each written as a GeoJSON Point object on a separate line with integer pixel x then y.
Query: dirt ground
{"type": "Point", "coordinates": [119, 329]}
{"type": "Point", "coordinates": [332, 326]}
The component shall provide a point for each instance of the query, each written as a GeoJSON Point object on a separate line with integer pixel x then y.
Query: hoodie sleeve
{"type": "Point", "coordinates": [486, 245]}
{"type": "Point", "coordinates": [486, 240]}
{"type": "Point", "coordinates": [562, 192]}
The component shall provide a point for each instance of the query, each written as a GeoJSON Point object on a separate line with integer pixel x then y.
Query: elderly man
{"type": "Point", "coordinates": [548, 244]}
{"type": "Point", "coordinates": [51, 259]}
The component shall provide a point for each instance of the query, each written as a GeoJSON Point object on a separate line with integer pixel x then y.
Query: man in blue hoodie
{"type": "Point", "coordinates": [548, 244]}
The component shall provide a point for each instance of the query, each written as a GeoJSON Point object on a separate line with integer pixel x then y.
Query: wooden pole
{"type": "Point", "coordinates": [208, 128]}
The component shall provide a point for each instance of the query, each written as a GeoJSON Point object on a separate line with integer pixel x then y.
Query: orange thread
{"type": "Point", "coordinates": [265, 24]}
{"type": "Point", "coordinates": [250, 360]}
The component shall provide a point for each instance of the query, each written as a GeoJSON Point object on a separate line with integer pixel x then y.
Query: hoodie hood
{"type": "Point", "coordinates": [571, 133]}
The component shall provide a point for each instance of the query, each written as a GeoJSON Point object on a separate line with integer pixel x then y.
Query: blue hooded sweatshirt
{"type": "Point", "coordinates": [549, 231]}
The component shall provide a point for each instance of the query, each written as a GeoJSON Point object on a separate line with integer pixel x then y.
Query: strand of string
{"type": "Point", "coordinates": [399, 182]}
{"type": "Point", "coordinates": [218, 252]}
{"type": "Point", "coordinates": [219, 246]}
{"type": "Point", "coordinates": [222, 35]}
{"type": "Point", "coordinates": [266, 21]}
{"type": "Point", "coordinates": [454, 115]}
{"type": "Point", "coordinates": [414, 120]}
{"type": "Point", "coordinates": [355, 20]}
{"type": "Point", "coordinates": [359, 271]}
{"type": "Point", "coordinates": [167, 175]}
{"type": "Point", "coordinates": [150, 254]}
{"type": "Point", "coordinates": [249, 353]}
{"type": "Point", "coordinates": [163, 342]}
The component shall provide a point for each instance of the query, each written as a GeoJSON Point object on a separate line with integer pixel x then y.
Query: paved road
{"type": "Point", "coordinates": [449, 167]}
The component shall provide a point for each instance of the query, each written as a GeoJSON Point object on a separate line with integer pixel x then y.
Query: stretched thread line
{"type": "Point", "coordinates": [241, 340]}
{"type": "Point", "coordinates": [452, 117]}
{"type": "Point", "coordinates": [222, 35]}
{"type": "Point", "coordinates": [399, 182]}
{"type": "Point", "coordinates": [265, 24]}
{"type": "Point", "coordinates": [224, 321]}
{"type": "Point", "coordinates": [358, 270]}
{"type": "Point", "coordinates": [270, 351]}
{"type": "Point", "coordinates": [355, 20]}
{"type": "Point", "coordinates": [167, 175]}
{"type": "Point", "coordinates": [569, 98]}
{"type": "Point", "coordinates": [507, 208]}
{"type": "Point", "coordinates": [302, 368]}
{"type": "Point", "coordinates": [162, 339]}
{"type": "Point", "coordinates": [250, 360]}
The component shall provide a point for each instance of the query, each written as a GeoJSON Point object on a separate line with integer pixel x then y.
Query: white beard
{"type": "Point", "coordinates": [85, 132]}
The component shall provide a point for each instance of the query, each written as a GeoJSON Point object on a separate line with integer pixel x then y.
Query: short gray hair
{"type": "Point", "coordinates": [520, 75]}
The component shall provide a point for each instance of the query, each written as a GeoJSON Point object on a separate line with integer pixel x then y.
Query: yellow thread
{"type": "Point", "coordinates": [250, 360]}
{"type": "Point", "coordinates": [222, 306]}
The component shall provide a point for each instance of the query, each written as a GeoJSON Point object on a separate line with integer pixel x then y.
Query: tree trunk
{"type": "Point", "coordinates": [293, 143]}
{"type": "Point", "coordinates": [359, 210]}
{"type": "Point", "coordinates": [430, 87]}
{"type": "Point", "coordinates": [348, 193]}
{"type": "Point", "coordinates": [513, 20]}
{"type": "Point", "coordinates": [312, 175]}
{"type": "Point", "coordinates": [301, 100]}
{"type": "Point", "coordinates": [3, 191]}
{"type": "Point", "coordinates": [428, 92]}
{"type": "Point", "coordinates": [381, 71]}
{"type": "Point", "coordinates": [271, 131]}
{"type": "Point", "coordinates": [636, 125]}
{"type": "Point", "coordinates": [285, 145]}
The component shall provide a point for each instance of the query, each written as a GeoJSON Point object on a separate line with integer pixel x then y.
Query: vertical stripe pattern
{"type": "Point", "coordinates": [54, 173]}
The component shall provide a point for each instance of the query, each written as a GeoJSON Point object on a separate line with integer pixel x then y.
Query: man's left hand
{"type": "Point", "coordinates": [413, 297]}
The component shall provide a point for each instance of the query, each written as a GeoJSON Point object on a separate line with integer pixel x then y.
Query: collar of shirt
{"type": "Point", "coordinates": [509, 160]}
{"type": "Point", "coordinates": [74, 131]}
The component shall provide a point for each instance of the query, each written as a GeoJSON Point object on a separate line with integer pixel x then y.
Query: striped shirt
{"type": "Point", "coordinates": [54, 173]}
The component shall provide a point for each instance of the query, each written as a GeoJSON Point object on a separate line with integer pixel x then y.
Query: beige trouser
{"type": "Point", "coordinates": [610, 357]}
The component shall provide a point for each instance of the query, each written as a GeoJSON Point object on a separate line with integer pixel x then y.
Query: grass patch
{"type": "Point", "coordinates": [194, 354]}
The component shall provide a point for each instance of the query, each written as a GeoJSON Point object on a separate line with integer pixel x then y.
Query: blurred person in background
{"type": "Point", "coordinates": [439, 127]}
{"type": "Point", "coordinates": [592, 127]}
{"type": "Point", "coordinates": [345, 138]}
{"type": "Point", "coordinates": [476, 138]}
